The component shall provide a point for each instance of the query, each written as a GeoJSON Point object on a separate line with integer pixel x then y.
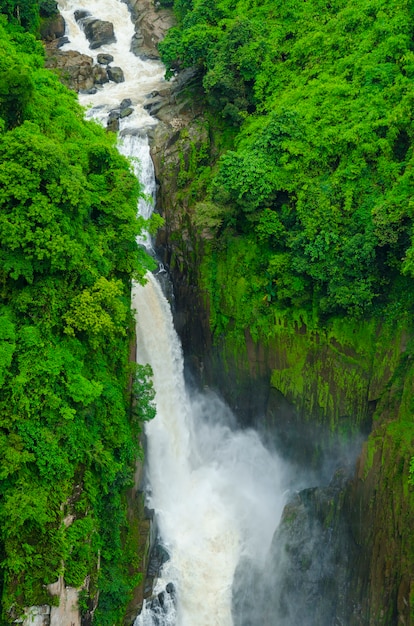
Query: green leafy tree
{"type": "Point", "coordinates": [69, 439]}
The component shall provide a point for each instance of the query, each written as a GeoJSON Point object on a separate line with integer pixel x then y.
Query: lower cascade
{"type": "Point", "coordinates": [216, 491]}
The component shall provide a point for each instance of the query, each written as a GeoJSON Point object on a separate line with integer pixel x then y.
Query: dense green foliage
{"type": "Point", "coordinates": [316, 192]}
{"type": "Point", "coordinates": [305, 218]}
{"type": "Point", "coordinates": [69, 437]}
{"type": "Point", "coordinates": [28, 13]}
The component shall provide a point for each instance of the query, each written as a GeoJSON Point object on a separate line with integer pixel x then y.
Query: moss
{"type": "Point", "coordinates": [388, 531]}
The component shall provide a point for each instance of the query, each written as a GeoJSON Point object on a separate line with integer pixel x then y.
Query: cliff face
{"type": "Point", "coordinates": [308, 391]}
{"type": "Point", "coordinates": [381, 505]}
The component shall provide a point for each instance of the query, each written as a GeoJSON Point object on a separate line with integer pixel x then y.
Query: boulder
{"type": "Point", "coordinates": [115, 114]}
{"type": "Point", "coordinates": [98, 32]}
{"type": "Point", "coordinates": [126, 102]}
{"type": "Point", "coordinates": [116, 74]}
{"type": "Point", "coordinates": [62, 41]}
{"type": "Point", "coordinates": [112, 123]}
{"type": "Point", "coordinates": [112, 126]}
{"type": "Point", "coordinates": [75, 69]}
{"type": "Point", "coordinates": [80, 14]}
{"type": "Point", "coordinates": [100, 75]}
{"type": "Point", "coordinates": [104, 59]}
{"type": "Point", "coordinates": [125, 112]}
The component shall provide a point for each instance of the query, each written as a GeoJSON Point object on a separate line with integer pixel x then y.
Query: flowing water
{"type": "Point", "coordinates": [141, 78]}
{"type": "Point", "coordinates": [216, 491]}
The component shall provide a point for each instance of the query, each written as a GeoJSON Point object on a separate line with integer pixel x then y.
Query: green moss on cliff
{"type": "Point", "coordinates": [385, 529]}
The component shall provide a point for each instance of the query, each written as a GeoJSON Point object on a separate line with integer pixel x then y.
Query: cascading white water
{"type": "Point", "coordinates": [141, 78]}
{"type": "Point", "coordinates": [216, 491]}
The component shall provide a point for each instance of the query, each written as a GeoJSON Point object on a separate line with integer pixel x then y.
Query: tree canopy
{"type": "Point", "coordinates": [69, 436]}
{"type": "Point", "coordinates": [319, 179]}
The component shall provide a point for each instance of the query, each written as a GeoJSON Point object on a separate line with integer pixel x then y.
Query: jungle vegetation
{"type": "Point", "coordinates": [69, 434]}
{"type": "Point", "coordinates": [307, 207]}
{"type": "Point", "coordinates": [310, 204]}
{"type": "Point", "coordinates": [305, 213]}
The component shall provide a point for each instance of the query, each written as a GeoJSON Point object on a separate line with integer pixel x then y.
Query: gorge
{"type": "Point", "coordinates": [216, 474]}
{"type": "Point", "coordinates": [274, 312]}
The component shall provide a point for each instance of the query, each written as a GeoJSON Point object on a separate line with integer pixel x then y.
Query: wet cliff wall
{"type": "Point", "coordinates": [308, 387]}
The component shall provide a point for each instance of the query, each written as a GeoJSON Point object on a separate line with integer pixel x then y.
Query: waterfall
{"type": "Point", "coordinates": [216, 491]}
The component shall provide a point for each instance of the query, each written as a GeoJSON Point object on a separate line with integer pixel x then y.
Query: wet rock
{"type": "Point", "coordinates": [112, 123]}
{"type": "Point", "coordinates": [170, 588]}
{"type": "Point", "coordinates": [112, 126]}
{"type": "Point", "coordinates": [161, 598]}
{"type": "Point", "coordinates": [88, 91]}
{"type": "Point", "coordinates": [126, 112]}
{"type": "Point", "coordinates": [80, 14]}
{"type": "Point", "coordinates": [53, 28]}
{"type": "Point", "coordinates": [126, 102]}
{"type": "Point", "coordinates": [308, 575]}
{"type": "Point", "coordinates": [151, 25]}
{"type": "Point", "coordinates": [173, 104]}
{"type": "Point", "coordinates": [116, 74]}
{"type": "Point", "coordinates": [100, 75]}
{"type": "Point", "coordinates": [62, 41]}
{"type": "Point", "coordinates": [75, 69]}
{"type": "Point", "coordinates": [104, 59]}
{"type": "Point", "coordinates": [98, 32]}
{"type": "Point", "coordinates": [154, 105]}
{"type": "Point", "coordinates": [158, 557]}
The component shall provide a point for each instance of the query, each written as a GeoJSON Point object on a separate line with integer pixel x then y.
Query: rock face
{"type": "Point", "coordinates": [347, 547]}
{"type": "Point", "coordinates": [52, 28]}
{"type": "Point", "coordinates": [76, 70]}
{"type": "Point", "coordinates": [309, 563]}
{"type": "Point", "coordinates": [151, 24]}
{"type": "Point", "coordinates": [305, 579]}
{"type": "Point", "coordinates": [381, 504]}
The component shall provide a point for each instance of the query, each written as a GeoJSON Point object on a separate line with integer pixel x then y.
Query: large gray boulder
{"type": "Point", "coordinates": [75, 69]}
{"type": "Point", "coordinates": [116, 74]}
{"type": "Point", "coordinates": [80, 14]}
{"type": "Point", "coordinates": [100, 75]}
{"type": "Point", "coordinates": [151, 24]}
{"type": "Point", "coordinates": [104, 59]}
{"type": "Point", "coordinates": [98, 32]}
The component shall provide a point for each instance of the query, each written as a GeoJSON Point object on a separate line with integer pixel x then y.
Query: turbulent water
{"type": "Point", "coordinates": [141, 78]}
{"type": "Point", "coordinates": [216, 491]}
